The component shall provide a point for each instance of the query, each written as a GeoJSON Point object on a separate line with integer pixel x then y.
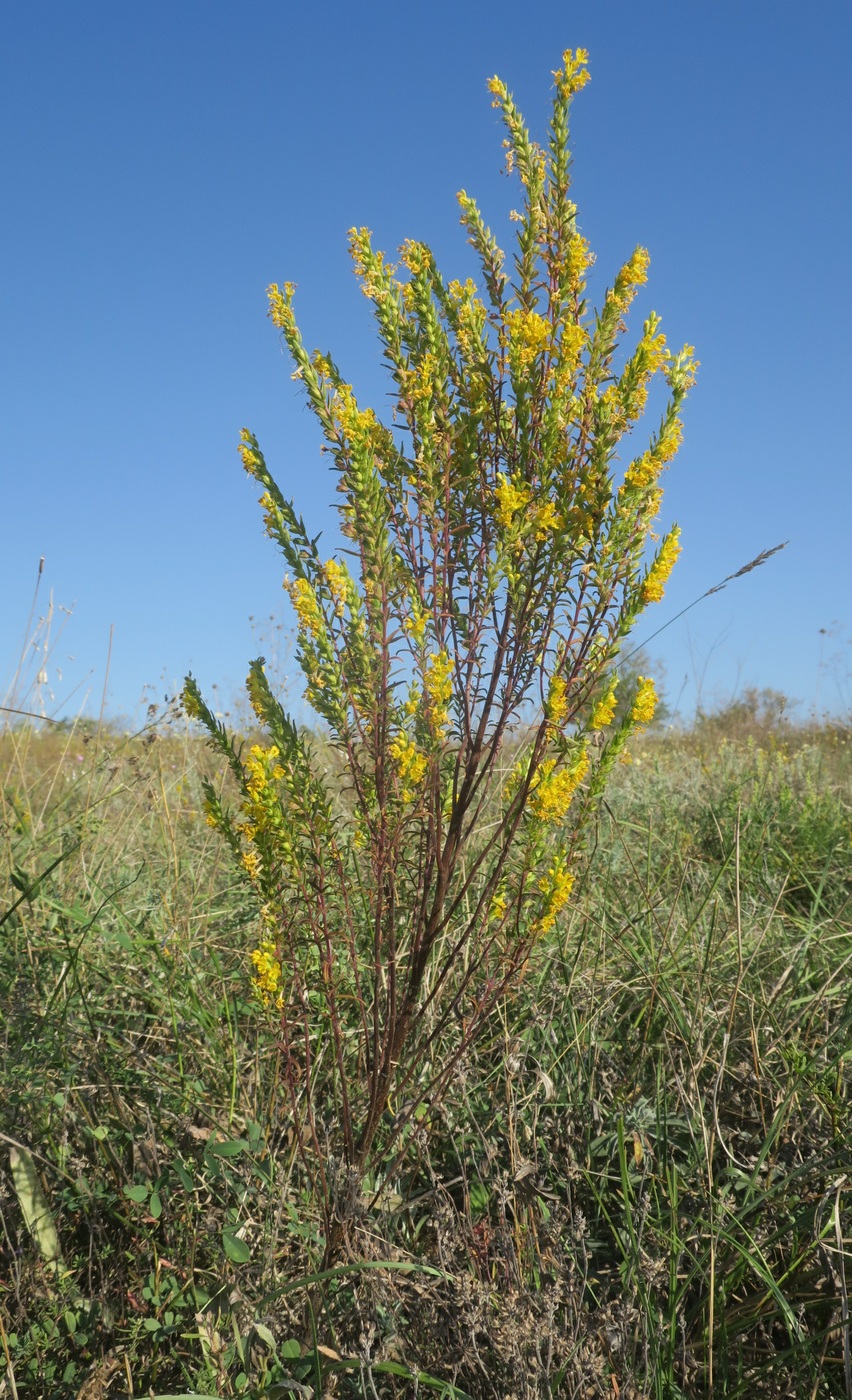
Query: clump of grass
{"type": "Point", "coordinates": [643, 1177]}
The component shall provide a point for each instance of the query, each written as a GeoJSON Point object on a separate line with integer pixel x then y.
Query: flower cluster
{"type": "Point", "coordinates": [645, 703]}
{"type": "Point", "coordinates": [574, 73]}
{"type": "Point", "coordinates": [556, 886]}
{"type": "Point", "coordinates": [439, 688]}
{"type": "Point", "coordinates": [528, 336]}
{"type": "Point", "coordinates": [603, 713]}
{"type": "Point", "coordinates": [305, 606]}
{"type": "Point", "coordinates": [281, 305]}
{"type": "Point", "coordinates": [556, 704]}
{"type": "Point", "coordinates": [646, 468]}
{"type": "Point", "coordinates": [410, 763]}
{"type": "Point", "coordinates": [632, 276]}
{"type": "Point", "coordinates": [337, 579]}
{"type": "Point", "coordinates": [652, 588]}
{"type": "Point", "coordinates": [554, 788]}
{"type": "Point", "coordinates": [512, 496]}
{"type": "Point", "coordinates": [578, 260]}
{"type": "Point", "coordinates": [268, 974]}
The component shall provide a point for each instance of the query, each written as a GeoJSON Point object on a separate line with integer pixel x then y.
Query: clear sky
{"type": "Point", "coordinates": [162, 163]}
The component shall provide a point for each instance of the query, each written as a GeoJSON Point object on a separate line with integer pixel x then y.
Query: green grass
{"type": "Point", "coordinates": [640, 1183]}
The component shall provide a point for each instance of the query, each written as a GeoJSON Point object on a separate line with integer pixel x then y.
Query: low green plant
{"type": "Point", "coordinates": [500, 557]}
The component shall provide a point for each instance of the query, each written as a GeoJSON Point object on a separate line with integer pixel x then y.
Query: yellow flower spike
{"type": "Point", "coordinates": [633, 275]}
{"type": "Point", "coordinates": [424, 380]}
{"type": "Point", "coordinates": [552, 794]}
{"type": "Point", "coordinates": [574, 73]}
{"type": "Point", "coordinates": [268, 974]}
{"type": "Point", "coordinates": [337, 579]}
{"type": "Point", "coordinates": [556, 886]}
{"type": "Point", "coordinates": [249, 452]}
{"type": "Point", "coordinates": [439, 686]}
{"type": "Point", "coordinates": [653, 587]}
{"type": "Point", "coordinates": [604, 711]}
{"type": "Point", "coordinates": [410, 763]}
{"type": "Point", "coordinates": [556, 704]}
{"type": "Point", "coordinates": [645, 702]}
{"type": "Point", "coordinates": [251, 864]}
{"type": "Point", "coordinates": [414, 256]}
{"type": "Point", "coordinates": [281, 305]}
{"type": "Point", "coordinates": [578, 260]}
{"type": "Point", "coordinates": [305, 606]}
{"type": "Point", "coordinates": [645, 469]}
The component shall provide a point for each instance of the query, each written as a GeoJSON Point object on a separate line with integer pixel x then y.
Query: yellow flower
{"type": "Point", "coordinates": [604, 710]}
{"type": "Point", "coordinates": [262, 770]}
{"type": "Point", "coordinates": [376, 275]}
{"type": "Point", "coordinates": [556, 704]}
{"type": "Point", "coordinates": [578, 260]}
{"type": "Point", "coordinates": [574, 74]}
{"type": "Point", "coordinates": [357, 425]}
{"type": "Point", "coordinates": [280, 305]}
{"type": "Point", "coordinates": [439, 688]}
{"type": "Point", "coordinates": [683, 369]}
{"type": "Point", "coordinates": [633, 275]}
{"type": "Point", "coordinates": [250, 452]}
{"type": "Point", "coordinates": [645, 702]}
{"type": "Point", "coordinates": [645, 469]}
{"type": "Point", "coordinates": [424, 379]}
{"type": "Point", "coordinates": [556, 886]}
{"type": "Point", "coordinates": [305, 605]}
{"type": "Point", "coordinates": [511, 498]}
{"type": "Point", "coordinates": [547, 519]}
{"type": "Point", "coordinates": [415, 256]}
{"type": "Point", "coordinates": [652, 589]}
{"type": "Point", "coordinates": [528, 335]}
{"type": "Point", "coordinates": [251, 864]}
{"type": "Point", "coordinates": [410, 763]}
{"type": "Point", "coordinates": [337, 578]}
{"type": "Point", "coordinates": [416, 625]}
{"type": "Point", "coordinates": [552, 794]}
{"type": "Point", "coordinates": [267, 974]}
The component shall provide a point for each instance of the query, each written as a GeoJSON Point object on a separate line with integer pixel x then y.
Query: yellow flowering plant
{"type": "Point", "coordinates": [498, 556]}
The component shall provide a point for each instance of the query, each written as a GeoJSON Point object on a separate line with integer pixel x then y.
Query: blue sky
{"type": "Point", "coordinates": [163, 163]}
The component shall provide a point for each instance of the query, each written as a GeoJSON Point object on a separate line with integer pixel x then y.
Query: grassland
{"type": "Point", "coordinates": [640, 1184]}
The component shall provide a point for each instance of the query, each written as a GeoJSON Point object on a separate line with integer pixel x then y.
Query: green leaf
{"type": "Point", "coordinates": [236, 1249]}
{"type": "Point", "coordinates": [183, 1175]}
{"type": "Point", "coordinates": [34, 1206]}
{"type": "Point", "coordinates": [232, 1148]}
{"type": "Point", "coordinates": [136, 1193]}
{"type": "Point", "coordinates": [100, 1133]}
{"type": "Point", "coordinates": [155, 1205]}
